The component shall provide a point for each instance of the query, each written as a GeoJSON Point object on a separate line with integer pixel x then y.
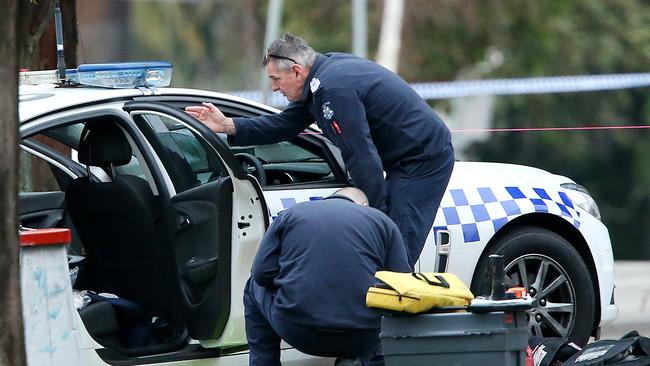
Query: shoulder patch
{"type": "Point", "coordinates": [328, 112]}
{"type": "Point", "coordinates": [314, 84]}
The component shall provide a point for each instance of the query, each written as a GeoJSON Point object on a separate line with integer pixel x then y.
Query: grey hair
{"type": "Point", "coordinates": [291, 47]}
{"type": "Point", "coordinates": [355, 194]}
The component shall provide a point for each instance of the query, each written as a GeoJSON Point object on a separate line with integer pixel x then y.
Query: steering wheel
{"type": "Point", "coordinates": [252, 165]}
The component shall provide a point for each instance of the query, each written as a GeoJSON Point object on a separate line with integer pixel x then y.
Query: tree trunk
{"type": "Point", "coordinates": [37, 46]}
{"type": "Point", "coordinates": [37, 51]}
{"type": "Point", "coordinates": [390, 37]}
{"type": "Point", "coordinates": [30, 44]}
{"type": "Point", "coordinates": [12, 347]}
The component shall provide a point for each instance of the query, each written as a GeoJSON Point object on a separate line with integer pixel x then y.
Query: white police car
{"type": "Point", "coordinates": [169, 217]}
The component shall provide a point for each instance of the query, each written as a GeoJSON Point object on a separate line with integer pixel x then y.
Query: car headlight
{"type": "Point", "coordinates": [581, 198]}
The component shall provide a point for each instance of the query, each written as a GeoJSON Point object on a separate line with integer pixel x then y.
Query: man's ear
{"type": "Point", "coordinates": [297, 69]}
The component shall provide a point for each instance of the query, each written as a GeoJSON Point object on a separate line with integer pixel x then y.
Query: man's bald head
{"type": "Point", "coordinates": [355, 194]}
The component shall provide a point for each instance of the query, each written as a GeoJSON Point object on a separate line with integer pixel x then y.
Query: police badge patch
{"type": "Point", "coordinates": [314, 84]}
{"type": "Point", "coordinates": [328, 112]}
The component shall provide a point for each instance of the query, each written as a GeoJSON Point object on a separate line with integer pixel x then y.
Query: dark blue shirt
{"type": "Point", "coordinates": [321, 256]}
{"type": "Point", "coordinates": [372, 115]}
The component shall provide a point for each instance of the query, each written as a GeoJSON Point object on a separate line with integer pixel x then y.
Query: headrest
{"type": "Point", "coordinates": [102, 143]}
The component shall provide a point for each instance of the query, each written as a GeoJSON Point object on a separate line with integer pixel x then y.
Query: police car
{"type": "Point", "coordinates": [169, 217]}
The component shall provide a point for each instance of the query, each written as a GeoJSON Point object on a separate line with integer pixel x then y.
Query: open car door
{"type": "Point", "coordinates": [214, 214]}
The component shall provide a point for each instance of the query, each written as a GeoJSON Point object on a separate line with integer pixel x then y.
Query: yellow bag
{"type": "Point", "coordinates": [417, 292]}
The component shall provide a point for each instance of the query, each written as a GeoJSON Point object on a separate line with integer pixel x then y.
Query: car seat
{"type": "Point", "coordinates": [118, 223]}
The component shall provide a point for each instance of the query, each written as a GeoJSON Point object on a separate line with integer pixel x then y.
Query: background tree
{"type": "Point", "coordinates": [37, 51]}
{"type": "Point", "coordinates": [218, 44]}
{"type": "Point", "coordinates": [30, 44]}
{"type": "Point", "coordinates": [12, 349]}
{"type": "Point", "coordinates": [37, 47]}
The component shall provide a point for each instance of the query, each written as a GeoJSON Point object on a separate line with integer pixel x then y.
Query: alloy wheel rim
{"type": "Point", "coordinates": [548, 283]}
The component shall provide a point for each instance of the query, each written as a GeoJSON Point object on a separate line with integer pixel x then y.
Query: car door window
{"type": "Point", "coordinates": [64, 140]}
{"type": "Point", "coordinates": [36, 175]}
{"type": "Point", "coordinates": [188, 159]}
{"type": "Point", "coordinates": [41, 197]}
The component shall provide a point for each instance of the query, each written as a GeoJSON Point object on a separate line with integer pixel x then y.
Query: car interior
{"type": "Point", "coordinates": [134, 283]}
{"type": "Point", "coordinates": [122, 239]}
{"type": "Point", "coordinates": [142, 293]}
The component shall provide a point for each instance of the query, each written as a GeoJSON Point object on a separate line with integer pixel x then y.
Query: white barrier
{"type": "Point", "coordinates": [50, 327]}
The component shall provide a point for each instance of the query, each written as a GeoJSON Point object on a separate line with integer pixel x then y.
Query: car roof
{"type": "Point", "coordinates": [38, 100]}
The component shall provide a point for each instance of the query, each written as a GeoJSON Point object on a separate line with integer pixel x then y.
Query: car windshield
{"type": "Point", "coordinates": [285, 152]}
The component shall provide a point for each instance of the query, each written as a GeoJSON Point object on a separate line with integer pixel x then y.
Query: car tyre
{"type": "Point", "coordinates": [553, 272]}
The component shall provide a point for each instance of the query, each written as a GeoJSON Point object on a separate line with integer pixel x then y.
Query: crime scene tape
{"type": "Point", "coordinates": [541, 85]}
{"type": "Point", "coordinates": [535, 85]}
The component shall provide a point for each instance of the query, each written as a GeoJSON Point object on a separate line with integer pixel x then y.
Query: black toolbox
{"type": "Point", "coordinates": [455, 339]}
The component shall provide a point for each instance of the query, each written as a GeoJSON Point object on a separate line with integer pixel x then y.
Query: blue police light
{"type": "Point", "coordinates": [123, 75]}
{"type": "Point", "coordinates": [71, 75]}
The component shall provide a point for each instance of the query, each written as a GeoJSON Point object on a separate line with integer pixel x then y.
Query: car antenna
{"type": "Point", "coordinates": [60, 55]}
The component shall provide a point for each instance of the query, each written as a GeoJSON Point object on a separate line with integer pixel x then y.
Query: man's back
{"type": "Point", "coordinates": [322, 256]}
{"type": "Point", "coordinates": [402, 124]}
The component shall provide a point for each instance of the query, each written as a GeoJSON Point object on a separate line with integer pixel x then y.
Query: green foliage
{"type": "Point", "coordinates": [327, 25]}
{"type": "Point", "coordinates": [214, 44]}
{"type": "Point", "coordinates": [581, 37]}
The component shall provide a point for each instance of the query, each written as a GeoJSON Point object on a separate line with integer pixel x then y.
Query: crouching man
{"type": "Point", "coordinates": [310, 278]}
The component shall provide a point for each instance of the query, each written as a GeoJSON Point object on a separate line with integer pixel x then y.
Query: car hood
{"type": "Point", "coordinates": [503, 174]}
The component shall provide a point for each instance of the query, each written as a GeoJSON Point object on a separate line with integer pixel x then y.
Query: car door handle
{"type": "Point", "coordinates": [243, 225]}
{"type": "Point", "coordinates": [200, 270]}
{"type": "Point", "coordinates": [183, 221]}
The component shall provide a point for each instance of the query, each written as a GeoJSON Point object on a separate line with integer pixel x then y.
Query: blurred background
{"type": "Point", "coordinates": [218, 45]}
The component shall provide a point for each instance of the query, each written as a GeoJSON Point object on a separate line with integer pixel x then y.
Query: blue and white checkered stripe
{"type": "Point", "coordinates": [483, 211]}
{"type": "Point", "coordinates": [289, 202]}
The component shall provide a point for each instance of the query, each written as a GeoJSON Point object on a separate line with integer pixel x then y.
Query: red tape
{"type": "Point", "coordinates": [536, 129]}
{"type": "Point", "coordinates": [533, 129]}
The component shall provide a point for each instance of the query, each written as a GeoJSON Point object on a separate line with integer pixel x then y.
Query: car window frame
{"type": "Point", "coordinates": [149, 129]}
{"type": "Point", "coordinates": [154, 176]}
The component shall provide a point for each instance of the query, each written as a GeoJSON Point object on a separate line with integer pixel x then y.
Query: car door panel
{"type": "Point", "coordinates": [199, 218]}
{"type": "Point", "coordinates": [41, 209]}
{"type": "Point", "coordinates": [202, 251]}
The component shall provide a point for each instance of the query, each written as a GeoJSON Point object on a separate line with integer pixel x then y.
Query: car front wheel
{"type": "Point", "coordinates": [553, 273]}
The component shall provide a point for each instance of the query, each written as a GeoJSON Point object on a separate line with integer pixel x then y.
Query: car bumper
{"type": "Point", "coordinates": [597, 237]}
{"type": "Point", "coordinates": [608, 315]}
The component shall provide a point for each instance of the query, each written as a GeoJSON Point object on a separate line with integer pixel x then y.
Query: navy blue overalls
{"type": "Point", "coordinates": [310, 277]}
{"type": "Point", "coordinates": [380, 124]}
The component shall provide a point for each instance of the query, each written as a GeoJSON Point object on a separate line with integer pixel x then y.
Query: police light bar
{"type": "Point", "coordinates": [38, 77]}
{"type": "Point", "coordinates": [115, 75]}
{"type": "Point", "coordinates": [124, 75]}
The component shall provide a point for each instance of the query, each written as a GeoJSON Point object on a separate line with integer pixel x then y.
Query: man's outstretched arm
{"type": "Point", "coordinates": [212, 117]}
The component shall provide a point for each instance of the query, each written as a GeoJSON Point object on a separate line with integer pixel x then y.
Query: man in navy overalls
{"type": "Point", "coordinates": [373, 116]}
{"type": "Point", "coordinates": [310, 277]}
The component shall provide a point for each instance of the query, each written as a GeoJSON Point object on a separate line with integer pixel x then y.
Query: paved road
{"type": "Point", "coordinates": [632, 296]}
